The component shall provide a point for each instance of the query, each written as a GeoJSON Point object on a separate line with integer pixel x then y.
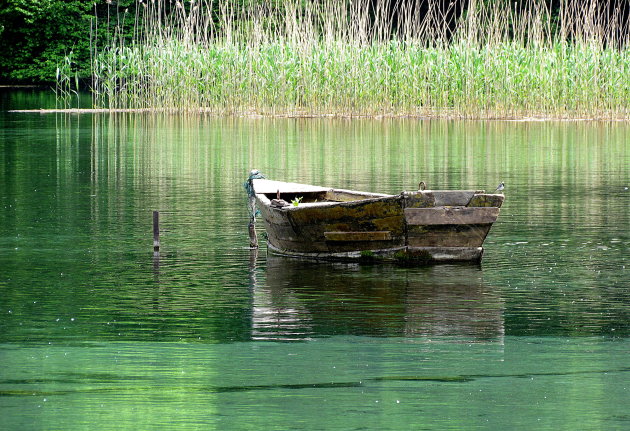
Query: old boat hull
{"type": "Point", "coordinates": [412, 227]}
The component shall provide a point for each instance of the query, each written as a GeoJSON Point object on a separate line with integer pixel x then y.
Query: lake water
{"type": "Point", "coordinates": [98, 333]}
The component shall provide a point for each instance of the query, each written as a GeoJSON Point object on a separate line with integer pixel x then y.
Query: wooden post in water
{"type": "Point", "coordinates": [253, 239]}
{"type": "Point", "coordinates": [156, 231]}
{"type": "Point", "coordinates": [251, 203]}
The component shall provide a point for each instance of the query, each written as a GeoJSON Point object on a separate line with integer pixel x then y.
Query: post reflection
{"type": "Point", "coordinates": [298, 300]}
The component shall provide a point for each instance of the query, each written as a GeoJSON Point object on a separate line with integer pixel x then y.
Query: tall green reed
{"type": "Point", "coordinates": [499, 59]}
{"type": "Point", "coordinates": [66, 85]}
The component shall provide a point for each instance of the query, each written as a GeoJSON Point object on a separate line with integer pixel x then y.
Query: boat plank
{"type": "Point", "coordinates": [486, 200]}
{"type": "Point", "coordinates": [453, 197]}
{"type": "Point", "coordinates": [358, 236]}
{"type": "Point", "coordinates": [348, 246]}
{"type": "Point", "coordinates": [280, 231]}
{"type": "Point", "coordinates": [450, 254]}
{"type": "Point", "coordinates": [451, 216]}
{"type": "Point", "coordinates": [300, 246]}
{"type": "Point", "coordinates": [275, 215]}
{"type": "Point", "coordinates": [447, 235]}
{"type": "Point", "coordinates": [348, 211]}
{"type": "Point", "coordinates": [419, 199]}
{"type": "Point", "coordinates": [315, 231]}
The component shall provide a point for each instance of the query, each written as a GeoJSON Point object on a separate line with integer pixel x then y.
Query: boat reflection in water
{"type": "Point", "coordinates": [296, 300]}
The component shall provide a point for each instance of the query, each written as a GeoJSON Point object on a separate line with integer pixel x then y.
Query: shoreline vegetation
{"type": "Point", "coordinates": [517, 117]}
{"type": "Point", "coordinates": [498, 60]}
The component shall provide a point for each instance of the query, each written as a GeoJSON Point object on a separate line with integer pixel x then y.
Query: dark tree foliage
{"type": "Point", "coordinates": [36, 35]}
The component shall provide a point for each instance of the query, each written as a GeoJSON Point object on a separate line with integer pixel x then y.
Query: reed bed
{"type": "Point", "coordinates": [351, 59]}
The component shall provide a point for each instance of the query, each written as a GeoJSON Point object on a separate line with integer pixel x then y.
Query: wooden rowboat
{"type": "Point", "coordinates": [415, 227]}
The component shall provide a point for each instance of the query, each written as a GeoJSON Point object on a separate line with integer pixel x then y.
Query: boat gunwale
{"type": "Point", "coordinates": [295, 189]}
{"type": "Point", "coordinates": [368, 197]}
{"type": "Point", "coordinates": [264, 200]}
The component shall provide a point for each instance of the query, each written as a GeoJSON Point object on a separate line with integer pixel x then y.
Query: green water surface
{"type": "Point", "coordinates": [98, 333]}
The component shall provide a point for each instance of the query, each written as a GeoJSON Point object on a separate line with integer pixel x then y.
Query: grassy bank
{"type": "Point", "coordinates": [330, 58]}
